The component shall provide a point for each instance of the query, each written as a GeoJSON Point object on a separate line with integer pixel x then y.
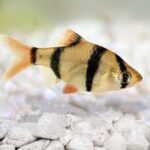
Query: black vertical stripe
{"type": "Point", "coordinates": [93, 65]}
{"type": "Point", "coordinates": [123, 70]}
{"type": "Point", "coordinates": [55, 57]}
{"type": "Point", "coordinates": [33, 55]}
{"type": "Point", "coordinates": [55, 61]}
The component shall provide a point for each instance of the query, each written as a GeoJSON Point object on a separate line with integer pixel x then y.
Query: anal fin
{"type": "Point", "coordinates": [69, 88]}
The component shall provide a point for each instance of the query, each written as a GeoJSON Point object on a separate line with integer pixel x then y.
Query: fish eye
{"type": "Point", "coordinates": [125, 77]}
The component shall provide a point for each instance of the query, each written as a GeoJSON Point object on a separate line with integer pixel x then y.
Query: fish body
{"type": "Point", "coordinates": [83, 66]}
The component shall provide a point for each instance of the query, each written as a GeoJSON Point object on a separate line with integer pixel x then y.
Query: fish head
{"type": "Point", "coordinates": [124, 76]}
{"type": "Point", "coordinates": [132, 75]}
{"type": "Point", "coordinates": [115, 74]}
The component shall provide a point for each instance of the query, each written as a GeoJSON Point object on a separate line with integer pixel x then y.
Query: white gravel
{"type": "Point", "coordinates": [38, 145]}
{"type": "Point", "coordinates": [137, 140]}
{"type": "Point", "coordinates": [99, 148]}
{"type": "Point", "coordinates": [80, 142]}
{"type": "Point", "coordinates": [66, 138]}
{"type": "Point", "coordinates": [5, 124]}
{"type": "Point", "coordinates": [115, 142]}
{"type": "Point", "coordinates": [18, 136]}
{"type": "Point", "coordinates": [7, 147]}
{"type": "Point", "coordinates": [55, 145]}
{"type": "Point", "coordinates": [51, 126]}
{"type": "Point", "coordinates": [81, 135]}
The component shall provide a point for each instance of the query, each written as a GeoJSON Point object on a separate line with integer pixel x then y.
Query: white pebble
{"type": "Point", "coordinates": [51, 125]}
{"type": "Point", "coordinates": [7, 147]}
{"type": "Point", "coordinates": [111, 115]}
{"type": "Point", "coordinates": [70, 119]}
{"type": "Point", "coordinates": [38, 145]}
{"type": "Point", "coordinates": [146, 129]}
{"type": "Point", "coordinates": [125, 125]}
{"type": "Point", "coordinates": [99, 136]}
{"type": "Point", "coordinates": [82, 127]}
{"type": "Point", "coordinates": [5, 125]}
{"type": "Point", "coordinates": [65, 139]}
{"type": "Point", "coordinates": [18, 136]}
{"type": "Point", "coordinates": [97, 122]}
{"type": "Point", "coordinates": [115, 142]}
{"type": "Point", "coordinates": [80, 142]}
{"type": "Point", "coordinates": [32, 127]}
{"type": "Point", "coordinates": [137, 141]}
{"type": "Point", "coordinates": [99, 148]}
{"type": "Point", "coordinates": [55, 145]}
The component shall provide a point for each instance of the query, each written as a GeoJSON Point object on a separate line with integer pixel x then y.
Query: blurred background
{"type": "Point", "coordinates": [122, 26]}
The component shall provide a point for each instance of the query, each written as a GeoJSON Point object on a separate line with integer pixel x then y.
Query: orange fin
{"type": "Point", "coordinates": [22, 51]}
{"type": "Point", "coordinates": [16, 67]}
{"type": "Point", "coordinates": [14, 45]}
{"type": "Point", "coordinates": [70, 37]}
{"type": "Point", "coordinates": [69, 88]}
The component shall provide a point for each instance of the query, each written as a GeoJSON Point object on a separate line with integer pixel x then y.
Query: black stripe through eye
{"type": "Point", "coordinates": [125, 77]}
{"type": "Point", "coordinates": [124, 72]}
{"type": "Point", "coordinates": [55, 61]}
{"type": "Point", "coordinates": [93, 65]}
{"type": "Point", "coordinates": [124, 80]}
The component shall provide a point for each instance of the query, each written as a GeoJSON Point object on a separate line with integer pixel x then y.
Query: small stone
{"type": "Point", "coordinates": [115, 142]}
{"type": "Point", "coordinates": [5, 125]}
{"type": "Point", "coordinates": [99, 136]}
{"type": "Point", "coordinates": [55, 145]}
{"type": "Point", "coordinates": [7, 147]}
{"type": "Point", "coordinates": [125, 125]}
{"type": "Point", "coordinates": [146, 129]}
{"type": "Point", "coordinates": [102, 121]}
{"type": "Point", "coordinates": [65, 139]}
{"type": "Point", "coordinates": [51, 125]}
{"type": "Point", "coordinates": [70, 119]}
{"type": "Point", "coordinates": [32, 127]}
{"type": "Point", "coordinates": [18, 136]}
{"type": "Point", "coordinates": [80, 142]}
{"type": "Point", "coordinates": [37, 145]}
{"type": "Point", "coordinates": [137, 141]}
{"type": "Point", "coordinates": [82, 127]}
{"type": "Point", "coordinates": [111, 115]}
{"type": "Point", "coordinates": [99, 148]}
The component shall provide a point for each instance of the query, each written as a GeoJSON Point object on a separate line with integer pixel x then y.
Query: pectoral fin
{"type": "Point", "coordinates": [69, 88]}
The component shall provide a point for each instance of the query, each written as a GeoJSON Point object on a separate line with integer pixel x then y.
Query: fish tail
{"type": "Point", "coordinates": [23, 56]}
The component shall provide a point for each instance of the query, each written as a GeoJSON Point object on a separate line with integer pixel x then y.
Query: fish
{"type": "Point", "coordinates": [82, 65]}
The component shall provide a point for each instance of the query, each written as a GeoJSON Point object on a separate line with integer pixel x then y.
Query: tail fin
{"type": "Point", "coordinates": [23, 59]}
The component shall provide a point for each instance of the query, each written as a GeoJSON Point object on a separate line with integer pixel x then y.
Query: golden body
{"type": "Point", "coordinates": [84, 66]}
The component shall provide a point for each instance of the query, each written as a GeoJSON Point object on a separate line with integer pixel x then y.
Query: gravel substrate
{"type": "Point", "coordinates": [54, 131]}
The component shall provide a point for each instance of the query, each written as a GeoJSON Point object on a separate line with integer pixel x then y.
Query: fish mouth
{"type": "Point", "coordinates": [140, 77]}
{"type": "Point", "coordinates": [137, 78]}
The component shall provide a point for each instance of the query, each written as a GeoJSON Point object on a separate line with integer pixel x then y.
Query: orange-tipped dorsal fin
{"type": "Point", "coordinates": [70, 38]}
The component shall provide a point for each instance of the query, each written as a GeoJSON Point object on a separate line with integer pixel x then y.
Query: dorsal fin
{"type": "Point", "coordinates": [70, 38]}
